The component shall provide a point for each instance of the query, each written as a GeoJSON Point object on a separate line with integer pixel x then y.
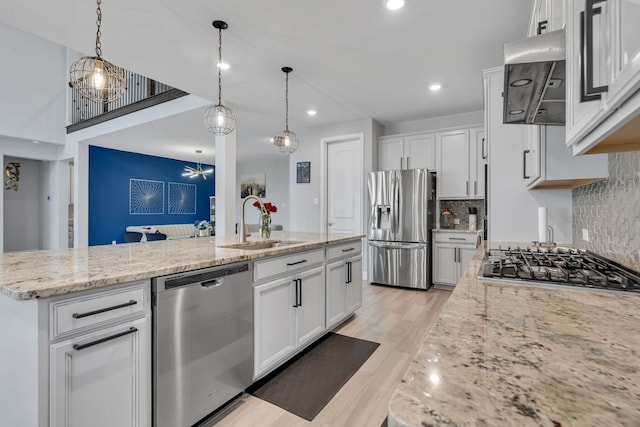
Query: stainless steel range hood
{"type": "Point", "coordinates": [534, 80]}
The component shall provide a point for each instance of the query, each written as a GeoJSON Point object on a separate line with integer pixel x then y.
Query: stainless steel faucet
{"type": "Point", "coordinates": [243, 230]}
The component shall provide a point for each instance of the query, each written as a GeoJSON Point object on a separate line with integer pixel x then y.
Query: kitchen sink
{"type": "Point", "coordinates": [249, 246]}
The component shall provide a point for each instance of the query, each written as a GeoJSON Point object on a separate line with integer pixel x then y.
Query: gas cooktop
{"type": "Point", "coordinates": [559, 266]}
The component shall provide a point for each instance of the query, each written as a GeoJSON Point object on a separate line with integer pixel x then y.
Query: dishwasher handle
{"type": "Point", "coordinates": [212, 283]}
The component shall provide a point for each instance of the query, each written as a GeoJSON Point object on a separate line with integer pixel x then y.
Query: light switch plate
{"type": "Point", "coordinates": [456, 221]}
{"type": "Point", "coordinates": [585, 234]}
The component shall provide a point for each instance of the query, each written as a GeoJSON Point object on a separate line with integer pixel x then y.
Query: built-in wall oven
{"type": "Point", "coordinates": [202, 342]}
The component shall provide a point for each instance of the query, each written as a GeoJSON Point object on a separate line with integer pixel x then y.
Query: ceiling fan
{"type": "Point", "coordinates": [197, 171]}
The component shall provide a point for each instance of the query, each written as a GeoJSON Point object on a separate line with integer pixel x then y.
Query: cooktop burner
{"type": "Point", "coordinates": [559, 266]}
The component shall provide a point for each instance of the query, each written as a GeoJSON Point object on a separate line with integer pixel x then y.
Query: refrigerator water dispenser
{"type": "Point", "coordinates": [383, 217]}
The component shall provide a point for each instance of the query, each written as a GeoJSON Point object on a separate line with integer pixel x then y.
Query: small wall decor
{"type": "Point", "coordinates": [303, 173]}
{"type": "Point", "coordinates": [182, 198]}
{"type": "Point", "coordinates": [13, 176]}
{"type": "Point", "coordinates": [254, 184]}
{"type": "Point", "coordinates": [146, 196]}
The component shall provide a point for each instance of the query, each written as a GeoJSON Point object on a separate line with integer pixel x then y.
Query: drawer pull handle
{"type": "Point", "coordinates": [457, 238]}
{"type": "Point", "coordinates": [102, 310]}
{"type": "Point", "coordinates": [105, 339]}
{"type": "Point", "coordinates": [296, 263]}
{"type": "Point", "coordinates": [348, 250]}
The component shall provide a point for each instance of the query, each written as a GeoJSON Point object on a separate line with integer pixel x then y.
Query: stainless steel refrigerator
{"type": "Point", "coordinates": [403, 207]}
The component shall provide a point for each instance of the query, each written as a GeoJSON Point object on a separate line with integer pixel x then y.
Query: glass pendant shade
{"type": "Point", "coordinates": [97, 80]}
{"type": "Point", "coordinates": [287, 142]}
{"type": "Point", "coordinates": [218, 119]}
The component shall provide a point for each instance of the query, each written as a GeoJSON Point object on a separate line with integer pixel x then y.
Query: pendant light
{"type": "Point", "coordinates": [93, 77]}
{"type": "Point", "coordinates": [192, 172]}
{"type": "Point", "coordinates": [219, 119]}
{"type": "Point", "coordinates": [287, 142]}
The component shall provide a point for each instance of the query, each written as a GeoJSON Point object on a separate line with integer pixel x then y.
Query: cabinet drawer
{"type": "Point", "coordinates": [76, 314]}
{"type": "Point", "coordinates": [273, 267]}
{"type": "Point", "coordinates": [458, 238]}
{"type": "Point", "coordinates": [344, 249]}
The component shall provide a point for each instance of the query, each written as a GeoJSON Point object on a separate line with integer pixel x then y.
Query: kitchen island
{"type": "Point", "coordinates": [504, 354]}
{"type": "Point", "coordinates": [75, 323]}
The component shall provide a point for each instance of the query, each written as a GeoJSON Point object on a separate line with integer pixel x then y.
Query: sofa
{"type": "Point", "coordinates": [173, 231]}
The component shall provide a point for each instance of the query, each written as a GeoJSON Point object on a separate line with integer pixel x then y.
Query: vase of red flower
{"type": "Point", "coordinates": [264, 220]}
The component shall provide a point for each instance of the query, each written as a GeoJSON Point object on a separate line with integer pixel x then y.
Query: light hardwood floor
{"type": "Point", "coordinates": [395, 318]}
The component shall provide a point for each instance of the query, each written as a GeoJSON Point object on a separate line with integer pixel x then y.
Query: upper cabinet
{"type": "Point", "coordinates": [603, 73]}
{"type": "Point", "coordinates": [460, 164]}
{"type": "Point", "coordinates": [407, 152]}
{"type": "Point", "coordinates": [547, 15]}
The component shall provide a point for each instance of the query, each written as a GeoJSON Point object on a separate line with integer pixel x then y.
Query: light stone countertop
{"type": "Point", "coordinates": [40, 274]}
{"type": "Point", "coordinates": [455, 230]}
{"type": "Point", "coordinates": [505, 354]}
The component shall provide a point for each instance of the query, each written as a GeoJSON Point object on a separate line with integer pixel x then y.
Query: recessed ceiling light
{"type": "Point", "coordinates": [223, 65]}
{"type": "Point", "coordinates": [393, 4]}
{"type": "Point", "coordinates": [35, 142]}
{"type": "Point", "coordinates": [435, 87]}
{"type": "Point", "coordinates": [270, 139]}
{"type": "Point", "coordinates": [312, 112]}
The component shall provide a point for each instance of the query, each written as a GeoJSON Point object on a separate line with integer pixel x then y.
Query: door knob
{"type": "Point", "coordinates": [330, 224]}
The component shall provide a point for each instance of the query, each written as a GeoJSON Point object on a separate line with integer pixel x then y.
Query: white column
{"type": "Point", "coordinates": [226, 184]}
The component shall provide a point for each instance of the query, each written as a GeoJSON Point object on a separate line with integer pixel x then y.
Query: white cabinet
{"type": "Point", "coordinates": [98, 378]}
{"type": "Point", "coordinates": [548, 15]}
{"type": "Point", "coordinates": [460, 164]}
{"type": "Point", "coordinates": [548, 163]}
{"type": "Point", "coordinates": [344, 281]}
{"type": "Point", "coordinates": [452, 252]}
{"type": "Point", "coordinates": [100, 372]}
{"type": "Point", "coordinates": [603, 71]}
{"type": "Point", "coordinates": [289, 312]}
{"type": "Point", "coordinates": [406, 152]}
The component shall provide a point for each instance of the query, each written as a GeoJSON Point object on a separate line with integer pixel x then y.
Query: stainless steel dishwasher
{"type": "Point", "coordinates": [202, 342]}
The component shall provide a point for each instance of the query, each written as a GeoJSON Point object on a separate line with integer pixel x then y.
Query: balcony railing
{"type": "Point", "coordinates": [141, 92]}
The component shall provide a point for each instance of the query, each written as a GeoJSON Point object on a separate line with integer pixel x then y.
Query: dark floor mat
{"type": "Point", "coordinates": [305, 385]}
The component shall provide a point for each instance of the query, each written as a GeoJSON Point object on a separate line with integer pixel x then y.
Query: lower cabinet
{"type": "Point", "coordinates": [452, 257]}
{"type": "Point", "coordinates": [344, 289]}
{"type": "Point", "coordinates": [100, 376]}
{"type": "Point", "coordinates": [289, 313]}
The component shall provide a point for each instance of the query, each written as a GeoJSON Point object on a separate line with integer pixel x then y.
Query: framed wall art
{"type": "Point", "coordinates": [303, 173]}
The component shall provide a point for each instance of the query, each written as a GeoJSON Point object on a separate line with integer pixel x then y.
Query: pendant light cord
{"type": "Point", "coordinates": [219, 66]}
{"type": "Point", "coordinates": [286, 103]}
{"type": "Point", "coordinates": [98, 33]}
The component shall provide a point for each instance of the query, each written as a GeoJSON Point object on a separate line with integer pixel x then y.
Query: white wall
{"type": "Point", "coordinates": [21, 209]}
{"type": "Point", "coordinates": [32, 86]}
{"type": "Point", "coordinates": [303, 213]}
{"type": "Point", "coordinates": [276, 167]}
{"type": "Point", "coordinates": [474, 118]}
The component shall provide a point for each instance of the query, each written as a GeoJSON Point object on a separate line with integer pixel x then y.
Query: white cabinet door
{"type": "Point", "coordinates": [99, 379]}
{"type": "Point", "coordinates": [584, 111]}
{"type": "Point", "coordinates": [465, 255]}
{"type": "Point", "coordinates": [354, 287]}
{"type": "Point", "coordinates": [420, 152]}
{"type": "Point", "coordinates": [626, 47]}
{"type": "Point", "coordinates": [274, 329]}
{"type": "Point", "coordinates": [390, 153]}
{"type": "Point", "coordinates": [310, 313]}
{"type": "Point", "coordinates": [531, 153]}
{"type": "Point", "coordinates": [336, 293]}
{"type": "Point", "coordinates": [477, 160]}
{"type": "Point", "coordinates": [453, 164]}
{"type": "Point", "coordinates": [445, 266]}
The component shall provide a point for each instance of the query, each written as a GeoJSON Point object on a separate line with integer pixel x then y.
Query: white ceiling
{"type": "Point", "coordinates": [352, 59]}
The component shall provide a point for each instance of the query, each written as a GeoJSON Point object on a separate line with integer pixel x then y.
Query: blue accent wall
{"type": "Point", "coordinates": [110, 172]}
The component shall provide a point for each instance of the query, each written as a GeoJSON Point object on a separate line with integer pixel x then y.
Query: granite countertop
{"type": "Point", "coordinates": [40, 274]}
{"type": "Point", "coordinates": [453, 230]}
{"type": "Point", "coordinates": [518, 355]}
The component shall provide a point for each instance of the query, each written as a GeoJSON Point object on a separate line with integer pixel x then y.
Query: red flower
{"type": "Point", "coordinates": [268, 207]}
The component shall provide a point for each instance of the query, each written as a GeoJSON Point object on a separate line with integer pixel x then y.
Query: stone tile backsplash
{"type": "Point", "coordinates": [460, 209]}
{"type": "Point", "coordinates": [610, 211]}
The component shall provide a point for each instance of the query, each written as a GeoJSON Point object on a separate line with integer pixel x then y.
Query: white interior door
{"type": "Point", "coordinates": [344, 186]}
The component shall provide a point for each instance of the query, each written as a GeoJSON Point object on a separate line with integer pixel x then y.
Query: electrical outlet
{"type": "Point", "coordinates": [585, 234]}
{"type": "Point", "coordinates": [456, 221]}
